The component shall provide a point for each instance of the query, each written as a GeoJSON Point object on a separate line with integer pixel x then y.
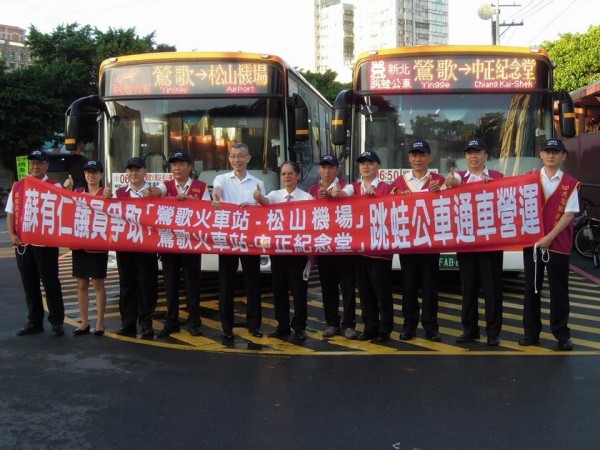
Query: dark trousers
{"type": "Point", "coordinates": [138, 284]}
{"type": "Point", "coordinates": [481, 269]}
{"type": "Point", "coordinates": [557, 268]}
{"type": "Point", "coordinates": [41, 264]}
{"type": "Point", "coordinates": [228, 267]}
{"type": "Point", "coordinates": [173, 265]}
{"type": "Point", "coordinates": [287, 272]}
{"type": "Point", "coordinates": [420, 271]}
{"type": "Point", "coordinates": [374, 281]}
{"type": "Point", "coordinates": [337, 272]}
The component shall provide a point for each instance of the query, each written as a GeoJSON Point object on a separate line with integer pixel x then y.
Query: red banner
{"type": "Point", "coordinates": [498, 215]}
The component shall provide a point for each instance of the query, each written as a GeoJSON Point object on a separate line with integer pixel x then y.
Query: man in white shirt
{"type": "Point", "coordinates": [238, 187]}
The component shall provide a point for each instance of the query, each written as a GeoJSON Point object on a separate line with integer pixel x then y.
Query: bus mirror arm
{"type": "Point", "coordinates": [566, 113]}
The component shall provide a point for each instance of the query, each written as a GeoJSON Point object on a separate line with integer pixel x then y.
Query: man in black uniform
{"type": "Point", "coordinates": [36, 263]}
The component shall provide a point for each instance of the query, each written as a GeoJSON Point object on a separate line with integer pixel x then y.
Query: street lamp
{"type": "Point", "coordinates": [487, 12]}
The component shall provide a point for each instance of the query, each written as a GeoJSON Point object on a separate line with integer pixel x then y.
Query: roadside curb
{"type": "Point", "coordinates": [585, 274]}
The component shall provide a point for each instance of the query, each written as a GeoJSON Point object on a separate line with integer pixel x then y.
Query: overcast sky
{"type": "Point", "coordinates": [283, 27]}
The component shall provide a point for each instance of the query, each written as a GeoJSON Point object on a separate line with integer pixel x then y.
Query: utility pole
{"type": "Point", "coordinates": [491, 11]}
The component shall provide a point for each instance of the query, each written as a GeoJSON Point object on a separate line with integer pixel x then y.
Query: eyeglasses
{"type": "Point", "coordinates": [237, 155]}
{"type": "Point", "coordinates": [36, 163]}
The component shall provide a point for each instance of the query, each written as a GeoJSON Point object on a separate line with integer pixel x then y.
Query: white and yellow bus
{"type": "Point", "coordinates": [447, 95]}
{"type": "Point", "coordinates": [149, 105]}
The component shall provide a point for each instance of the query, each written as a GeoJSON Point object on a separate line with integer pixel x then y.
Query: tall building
{"type": "Point", "coordinates": [13, 51]}
{"type": "Point", "coordinates": [334, 37]}
{"type": "Point", "coordinates": [363, 25]}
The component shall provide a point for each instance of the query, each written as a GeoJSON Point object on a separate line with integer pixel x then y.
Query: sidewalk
{"type": "Point", "coordinates": [585, 267]}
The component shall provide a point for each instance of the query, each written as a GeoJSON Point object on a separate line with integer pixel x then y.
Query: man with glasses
{"type": "Point", "coordinates": [36, 263]}
{"type": "Point", "coordinates": [238, 187]}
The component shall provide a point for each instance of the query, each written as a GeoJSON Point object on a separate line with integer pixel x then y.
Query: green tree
{"type": "Point", "coordinates": [28, 115]}
{"type": "Point", "coordinates": [577, 59]}
{"type": "Point", "coordinates": [325, 83]}
{"type": "Point", "coordinates": [33, 101]}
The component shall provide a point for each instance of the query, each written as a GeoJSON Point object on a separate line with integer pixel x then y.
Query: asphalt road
{"type": "Point", "coordinates": [102, 393]}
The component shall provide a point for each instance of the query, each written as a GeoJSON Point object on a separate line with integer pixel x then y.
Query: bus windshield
{"type": "Point", "coordinates": [205, 128]}
{"type": "Point", "coordinates": [512, 125]}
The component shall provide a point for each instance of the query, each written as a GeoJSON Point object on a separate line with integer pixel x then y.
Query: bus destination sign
{"type": "Point", "coordinates": [446, 72]}
{"type": "Point", "coordinates": [188, 79]}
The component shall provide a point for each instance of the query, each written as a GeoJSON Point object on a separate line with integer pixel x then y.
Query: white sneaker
{"type": "Point", "coordinates": [350, 333]}
{"type": "Point", "coordinates": [331, 332]}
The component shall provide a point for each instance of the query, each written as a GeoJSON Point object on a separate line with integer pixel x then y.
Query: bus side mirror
{"type": "Point", "coordinates": [300, 119]}
{"type": "Point", "coordinates": [566, 114]}
{"type": "Point", "coordinates": [339, 125]}
{"type": "Point", "coordinates": [80, 114]}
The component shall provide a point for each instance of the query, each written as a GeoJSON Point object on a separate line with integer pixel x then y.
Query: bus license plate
{"type": "Point", "coordinates": [448, 262]}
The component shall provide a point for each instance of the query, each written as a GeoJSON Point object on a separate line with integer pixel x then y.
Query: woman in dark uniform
{"type": "Point", "coordinates": [90, 264]}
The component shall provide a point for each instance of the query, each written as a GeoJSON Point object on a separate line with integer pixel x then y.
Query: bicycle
{"type": "Point", "coordinates": [587, 240]}
{"type": "Point", "coordinates": [582, 242]}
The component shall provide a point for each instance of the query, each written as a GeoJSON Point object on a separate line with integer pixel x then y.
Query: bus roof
{"type": "Point", "coordinates": [186, 56]}
{"type": "Point", "coordinates": [451, 49]}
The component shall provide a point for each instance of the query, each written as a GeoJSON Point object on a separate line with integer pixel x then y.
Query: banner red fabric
{"type": "Point", "coordinates": [497, 215]}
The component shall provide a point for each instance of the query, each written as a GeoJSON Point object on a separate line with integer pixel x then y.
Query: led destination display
{"type": "Point", "coordinates": [188, 79]}
{"type": "Point", "coordinates": [443, 72]}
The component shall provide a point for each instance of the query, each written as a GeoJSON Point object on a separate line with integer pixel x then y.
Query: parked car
{"type": "Point", "coordinates": [64, 164]}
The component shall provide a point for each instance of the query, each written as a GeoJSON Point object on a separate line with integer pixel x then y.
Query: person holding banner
{"type": "Point", "coordinates": [336, 271]}
{"type": "Point", "coordinates": [419, 268]}
{"type": "Point", "coordinates": [288, 270]}
{"type": "Point", "coordinates": [184, 188]}
{"type": "Point", "coordinates": [35, 263]}
{"type": "Point", "coordinates": [87, 264]}
{"type": "Point", "coordinates": [138, 271]}
{"type": "Point", "coordinates": [479, 268]}
{"type": "Point", "coordinates": [374, 272]}
{"type": "Point", "coordinates": [552, 251]}
{"type": "Point", "coordinates": [237, 187]}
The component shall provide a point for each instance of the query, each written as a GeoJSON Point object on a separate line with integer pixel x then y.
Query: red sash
{"type": "Point", "coordinates": [554, 208]}
{"type": "Point", "coordinates": [314, 189]}
{"type": "Point", "coordinates": [196, 189]}
{"type": "Point", "coordinates": [18, 199]}
{"type": "Point", "coordinates": [400, 185]}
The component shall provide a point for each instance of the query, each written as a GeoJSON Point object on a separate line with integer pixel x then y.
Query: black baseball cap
{"type": "Point", "coordinates": [368, 156]}
{"type": "Point", "coordinates": [554, 144]}
{"type": "Point", "coordinates": [93, 165]}
{"type": "Point", "coordinates": [38, 155]}
{"type": "Point", "coordinates": [329, 160]}
{"type": "Point", "coordinates": [420, 147]}
{"type": "Point", "coordinates": [180, 155]}
{"type": "Point", "coordinates": [136, 162]}
{"type": "Point", "coordinates": [476, 144]}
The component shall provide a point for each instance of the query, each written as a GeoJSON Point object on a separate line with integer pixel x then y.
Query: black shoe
{"type": "Point", "coordinates": [406, 336]}
{"type": "Point", "coordinates": [493, 341]}
{"type": "Point", "coordinates": [256, 333]}
{"type": "Point", "coordinates": [280, 332]}
{"type": "Point", "coordinates": [227, 336]}
{"type": "Point", "coordinates": [58, 330]}
{"type": "Point", "coordinates": [30, 329]}
{"type": "Point", "coordinates": [81, 331]}
{"type": "Point", "coordinates": [167, 330]}
{"type": "Point", "coordinates": [466, 337]}
{"type": "Point", "coordinates": [127, 331]}
{"type": "Point", "coordinates": [565, 344]}
{"type": "Point", "coordinates": [384, 337]}
{"type": "Point", "coordinates": [433, 336]}
{"type": "Point", "coordinates": [147, 333]}
{"type": "Point", "coordinates": [300, 335]}
{"type": "Point", "coordinates": [527, 341]}
{"type": "Point", "coordinates": [98, 332]}
{"type": "Point", "coordinates": [366, 336]}
{"type": "Point", "coordinates": [194, 330]}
